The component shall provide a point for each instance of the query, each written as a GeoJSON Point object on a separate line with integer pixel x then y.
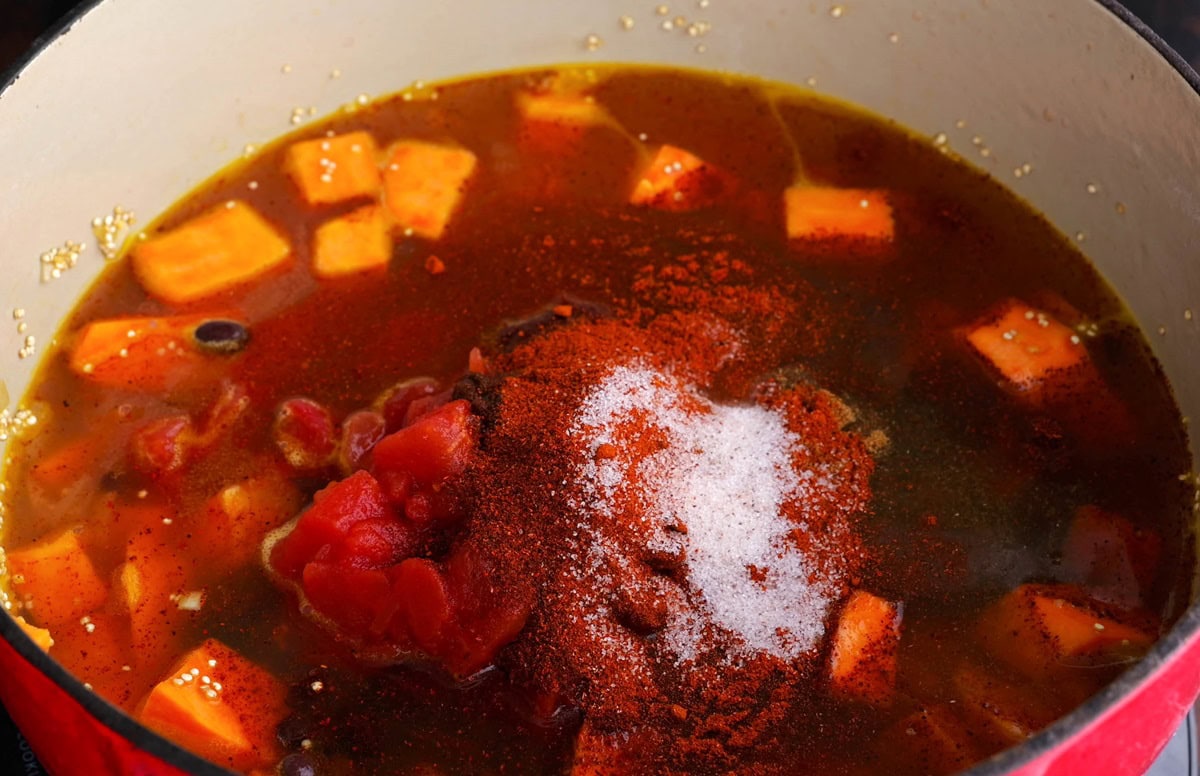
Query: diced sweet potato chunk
{"type": "Point", "coordinates": [1037, 631]}
{"type": "Point", "coordinates": [96, 648]}
{"type": "Point", "coordinates": [935, 738]}
{"type": "Point", "coordinates": [1026, 346]}
{"type": "Point", "coordinates": [676, 180]}
{"type": "Point", "coordinates": [150, 585]}
{"type": "Point", "coordinates": [62, 576]}
{"type": "Point", "coordinates": [219, 705]}
{"type": "Point", "coordinates": [561, 109]}
{"type": "Point", "coordinates": [334, 169]}
{"type": "Point", "coordinates": [1047, 366]}
{"type": "Point", "coordinates": [862, 663]}
{"type": "Point", "coordinates": [225, 247]}
{"type": "Point", "coordinates": [816, 213]}
{"type": "Point", "coordinates": [235, 521]}
{"type": "Point", "coordinates": [61, 466]}
{"type": "Point", "coordinates": [423, 185]}
{"type": "Point", "coordinates": [554, 123]}
{"type": "Point", "coordinates": [356, 242]}
{"type": "Point", "coordinates": [1010, 712]}
{"type": "Point", "coordinates": [144, 354]}
{"type": "Point", "coordinates": [558, 109]}
{"type": "Point", "coordinates": [129, 589]}
{"type": "Point", "coordinates": [1113, 560]}
{"type": "Point", "coordinates": [39, 636]}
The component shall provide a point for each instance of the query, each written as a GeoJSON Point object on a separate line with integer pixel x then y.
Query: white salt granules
{"type": "Point", "coordinates": [716, 486]}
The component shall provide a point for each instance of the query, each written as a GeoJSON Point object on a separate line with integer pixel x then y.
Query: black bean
{"type": "Point", "coordinates": [292, 731]}
{"type": "Point", "coordinates": [221, 336]}
{"type": "Point", "coordinates": [298, 764]}
{"type": "Point", "coordinates": [483, 393]}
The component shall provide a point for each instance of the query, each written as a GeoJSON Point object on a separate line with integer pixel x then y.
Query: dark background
{"type": "Point", "coordinates": [21, 21]}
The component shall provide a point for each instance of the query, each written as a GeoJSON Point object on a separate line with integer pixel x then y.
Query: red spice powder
{"type": "Point", "coordinates": [615, 605]}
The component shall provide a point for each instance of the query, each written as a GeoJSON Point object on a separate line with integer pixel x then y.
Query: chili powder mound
{"type": "Point", "coordinates": [686, 552]}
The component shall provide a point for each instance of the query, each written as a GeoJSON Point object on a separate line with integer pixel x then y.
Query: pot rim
{"type": "Point", "coordinates": [1046, 740]}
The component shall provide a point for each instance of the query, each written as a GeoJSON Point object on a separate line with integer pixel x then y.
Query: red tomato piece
{"type": "Point", "coordinates": [162, 446]}
{"type": "Point", "coordinates": [375, 544]}
{"type": "Point", "coordinates": [304, 433]}
{"type": "Point", "coordinates": [424, 603]}
{"type": "Point", "coordinates": [437, 446]}
{"type": "Point", "coordinates": [357, 600]}
{"type": "Point", "coordinates": [418, 508]}
{"type": "Point", "coordinates": [334, 512]}
{"type": "Point", "coordinates": [397, 486]}
{"type": "Point", "coordinates": [489, 617]}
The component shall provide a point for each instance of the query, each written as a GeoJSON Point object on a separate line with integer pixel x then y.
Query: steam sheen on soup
{"type": "Point", "coordinates": [605, 421]}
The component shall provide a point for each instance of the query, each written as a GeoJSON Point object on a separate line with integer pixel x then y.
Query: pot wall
{"type": "Point", "coordinates": [141, 100]}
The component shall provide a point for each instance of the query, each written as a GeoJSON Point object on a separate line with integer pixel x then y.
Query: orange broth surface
{"type": "Point", "coordinates": [959, 461]}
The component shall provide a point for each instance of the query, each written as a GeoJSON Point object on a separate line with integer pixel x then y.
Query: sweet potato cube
{"type": "Point", "coordinates": [39, 636]}
{"type": "Point", "coordinates": [60, 577]}
{"type": "Point", "coordinates": [150, 585]}
{"type": "Point", "coordinates": [816, 213]}
{"type": "Point", "coordinates": [862, 663]}
{"type": "Point", "coordinates": [219, 705]}
{"type": "Point", "coordinates": [1113, 560]}
{"type": "Point", "coordinates": [97, 650]}
{"type": "Point", "coordinates": [67, 463]}
{"type": "Point", "coordinates": [225, 247]}
{"type": "Point", "coordinates": [144, 354]}
{"type": "Point", "coordinates": [676, 180]}
{"type": "Point", "coordinates": [1009, 712]}
{"type": "Point", "coordinates": [334, 169]}
{"type": "Point", "coordinates": [1037, 631]}
{"type": "Point", "coordinates": [238, 517]}
{"type": "Point", "coordinates": [356, 242]}
{"type": "Point", "coordinates": [556, 128]}
{"type": "Point", "coordinates": [129, 588]}
{"type": "Point", "coordinates": [935, 739]}
{"type": "Point", "coordinates": [1026, 346]}
{"type": "Point", "coordinates": [423, 184]}
{"type": "Point", "coordinates": [560, 109]}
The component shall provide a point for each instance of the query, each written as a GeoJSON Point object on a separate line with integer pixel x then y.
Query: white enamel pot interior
{"type": "Point", "coordinates": [138, 101]}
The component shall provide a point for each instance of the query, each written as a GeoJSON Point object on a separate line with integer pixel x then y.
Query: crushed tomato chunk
{"type": "Point", "coordinates": [352, 555]}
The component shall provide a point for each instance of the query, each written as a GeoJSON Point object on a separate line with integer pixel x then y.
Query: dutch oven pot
{"type": "Point", "coordinates": [137, 101]}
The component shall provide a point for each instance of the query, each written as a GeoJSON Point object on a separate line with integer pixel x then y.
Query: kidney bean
{"type": "Point", "coordinates": [395, 402]}
{"type": "Point", "coordinates": [305, 434]}
{"type": "Point", "coordinates": [360, 432]}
